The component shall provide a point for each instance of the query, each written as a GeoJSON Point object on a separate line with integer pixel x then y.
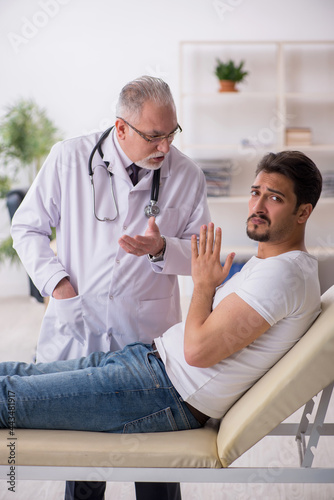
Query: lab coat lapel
{"type": "Point", "coordinates": [110, 154]}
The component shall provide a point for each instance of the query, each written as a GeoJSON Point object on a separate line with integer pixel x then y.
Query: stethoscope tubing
{"type": "Point", "coordinates": [98, 147]}
{"type": "Point", "coordinates": [150, 210]}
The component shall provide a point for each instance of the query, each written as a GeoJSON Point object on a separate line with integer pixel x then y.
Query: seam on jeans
{"type": "Point", "coordinates": [172, 391]}
{"type": "Point", "coordinates": [176, 398]}
{"type": "Point", "coordinates": [150, 369]}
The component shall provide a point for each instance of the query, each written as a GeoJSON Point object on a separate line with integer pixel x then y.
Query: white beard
{"type": "Point", "coordinates": [144, 163]}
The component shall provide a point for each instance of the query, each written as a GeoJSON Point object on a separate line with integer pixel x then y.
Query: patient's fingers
{"type": "Point", "coordinates": [210, 238]}
{"type": "Point", "coordinates": [229, 262]}
{"type": "Point", "coordinates": [194, 248]}
{"type": "Point", "coordinates": [218, 242]}
{"type": "Point", "coordinates": [202, 240]}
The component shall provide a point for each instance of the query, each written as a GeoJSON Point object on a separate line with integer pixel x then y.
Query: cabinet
{"type": "Point", "coordinates": [290, 84]}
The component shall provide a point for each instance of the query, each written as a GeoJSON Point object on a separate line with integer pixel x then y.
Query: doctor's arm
{"type": "Point", "coordinates": [31, 228]}
{"type": "Point", "coordinates": [213, 335]}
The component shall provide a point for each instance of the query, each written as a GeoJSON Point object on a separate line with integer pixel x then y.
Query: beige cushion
{"type": "Point", "coordinates": [303, 372]}
{"type": "Point", "coordinates": [194, 448]}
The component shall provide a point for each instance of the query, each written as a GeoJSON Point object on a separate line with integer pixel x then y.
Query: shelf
{"type": "Point", "coordinates": [305, 95]}
{"type": "Point", "coordinates": [244, 199]}
{"type": "Point", "coordinates": [311, 147]}
{"type": "Point", "coordinates": [232, 147]}
{"type": "Point", "coordinates": [246, 252]}
{"type": "Point", "coordinates": [261, 149]}
{"type": "Point", "coordinates": [228, 199]}
{"type": "Point", "coordinates": [279, 70]}
{"type": "Point", "coordinates": [233, 95]}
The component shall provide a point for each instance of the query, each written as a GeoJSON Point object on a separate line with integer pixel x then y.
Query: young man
{"type": "Point", "coordinates": [233, 333]}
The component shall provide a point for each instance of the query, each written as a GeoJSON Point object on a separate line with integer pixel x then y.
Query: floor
{"type": "Point", "coordinates": [19, 326]}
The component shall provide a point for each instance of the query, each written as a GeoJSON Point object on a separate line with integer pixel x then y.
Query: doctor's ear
{"type": "Point", "coordinates": [120, 127]}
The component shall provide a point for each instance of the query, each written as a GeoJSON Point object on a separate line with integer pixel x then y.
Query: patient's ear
{"type": "Point", "coordinates": [304, 211]}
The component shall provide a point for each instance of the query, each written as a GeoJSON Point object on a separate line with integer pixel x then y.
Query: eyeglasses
{"type": "Point", "coordinates": [155, 139]}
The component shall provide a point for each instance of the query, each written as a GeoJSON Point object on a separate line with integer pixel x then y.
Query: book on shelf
{"type": "Point", "coordinates": [217, 173]}
{"type": "Point", "coordinates": [298, 136]}
{"type": "Point", "coordinates": [328, 184]}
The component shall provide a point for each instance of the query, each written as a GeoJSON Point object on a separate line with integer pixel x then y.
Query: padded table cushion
{"type": "Point", "coordinates": [194, 448]}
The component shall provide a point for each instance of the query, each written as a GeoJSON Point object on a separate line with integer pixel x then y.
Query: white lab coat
{"type": "Point", "coordinates": [121, 298]}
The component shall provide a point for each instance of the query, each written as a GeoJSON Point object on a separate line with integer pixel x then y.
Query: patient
{"type": "Point", "coordinates": [232, 335]}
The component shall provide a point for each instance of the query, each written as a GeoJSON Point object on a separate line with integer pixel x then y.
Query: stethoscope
{"type": "Point", "coordinates": [150, 210]}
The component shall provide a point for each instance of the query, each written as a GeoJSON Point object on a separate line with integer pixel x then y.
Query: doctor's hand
{"type": "Point", "coordinates": [151, 243]}
{"type": "Point", "coordinates": [64, 290]}
{"type": "Point", "coordinates": [206, 269]}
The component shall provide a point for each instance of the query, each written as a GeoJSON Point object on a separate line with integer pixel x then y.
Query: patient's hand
{"type": "Point", "coordinates": [207, 271]}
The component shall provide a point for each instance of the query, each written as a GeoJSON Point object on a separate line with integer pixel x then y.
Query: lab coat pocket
{"type": "Point", "coordinates": [69, 315]}
{"type": "Point", "coordinates": [158, 315]}
{"type": "Point", "coordinates": [168, 221]}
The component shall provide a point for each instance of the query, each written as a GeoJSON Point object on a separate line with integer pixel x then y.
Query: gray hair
{"type": "Point", "coordinates": [134, 95]}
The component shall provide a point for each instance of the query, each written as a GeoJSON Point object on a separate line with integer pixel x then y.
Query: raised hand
{"type": "Point", "coordinates": [206, 268]}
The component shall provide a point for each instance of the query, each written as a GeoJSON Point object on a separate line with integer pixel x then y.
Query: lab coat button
{"type": "Point", "coordinates": [118, 261]}
{"type": "Point", "coordinates": [111, 297]}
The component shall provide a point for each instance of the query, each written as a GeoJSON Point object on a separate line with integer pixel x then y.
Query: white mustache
{"type": "Point", "coordinates": [155, 155]}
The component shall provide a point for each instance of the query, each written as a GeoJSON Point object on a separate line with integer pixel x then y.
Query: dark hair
{"type": "Point", "coordinates": [303, 172]}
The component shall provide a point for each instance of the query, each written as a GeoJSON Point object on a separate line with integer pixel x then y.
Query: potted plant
{"type": "Point", "coordinates": [26, 136]}
{"type": "Point", "coordinates": [228, 74]}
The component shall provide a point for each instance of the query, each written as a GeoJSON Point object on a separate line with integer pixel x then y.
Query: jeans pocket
{"type": "Point", "coordinates": [160, 421]}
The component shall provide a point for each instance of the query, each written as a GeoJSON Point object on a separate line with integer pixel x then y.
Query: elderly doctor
{"type": "Point", "coordinates": [113, 281]}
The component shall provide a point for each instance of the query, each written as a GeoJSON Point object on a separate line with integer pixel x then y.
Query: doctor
{"type": "Point", "coordinates": [114, 280]}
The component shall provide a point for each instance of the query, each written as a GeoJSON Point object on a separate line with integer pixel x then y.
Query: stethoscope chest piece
{"type": "Point", "coordinates": [152, 210]}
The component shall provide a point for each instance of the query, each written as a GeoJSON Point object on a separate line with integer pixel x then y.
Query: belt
{"type": "Point", "coordinates": [200, 417]}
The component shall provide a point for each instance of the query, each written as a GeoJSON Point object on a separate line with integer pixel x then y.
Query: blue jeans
{"type": "Point", "coordinates": [124, 392]}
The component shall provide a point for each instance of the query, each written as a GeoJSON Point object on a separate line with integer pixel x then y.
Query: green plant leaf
{"type": "Point", "coordinates": [230, 71]}
{"type": "Point", "coordinates": [5, 184]}
{"type": "Point", "coordinates": [7, 252]}
{"type": "Point", "coordinates": [26, 134]}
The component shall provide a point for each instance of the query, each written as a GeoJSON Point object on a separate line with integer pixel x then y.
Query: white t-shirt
{"type": "Point", "coordinates": [285, 291]}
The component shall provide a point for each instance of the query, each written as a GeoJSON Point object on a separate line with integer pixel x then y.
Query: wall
{"type": "Point", "coordinates": [72, 56]}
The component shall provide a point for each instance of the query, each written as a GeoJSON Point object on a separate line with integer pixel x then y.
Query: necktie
{"type": "Point", "coordinates": [134, 174]}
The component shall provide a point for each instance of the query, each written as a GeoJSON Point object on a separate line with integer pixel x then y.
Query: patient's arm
{"type": "Point", "coordinates": [211, 336]}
